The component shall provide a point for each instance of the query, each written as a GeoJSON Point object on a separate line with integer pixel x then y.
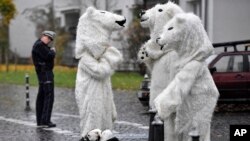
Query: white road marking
{"type": "Point", "coordinates": [137, 125]}
{"type": "Point", "coordinates": [71, 133]}
{"type": "Point", "coordinates": [27, 123]}
{"type": "Point", "coordinates": [131, 136]}
{"type": "Point", "coordinates": [66, 115]}
{"type": "Point", "coordinates": [132, 124]}
{"type": "Point", "coordinates": [32, 124]}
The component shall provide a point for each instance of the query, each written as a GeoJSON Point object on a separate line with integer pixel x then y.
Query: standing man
{"type": "Point", "coordinates": [43, 59]}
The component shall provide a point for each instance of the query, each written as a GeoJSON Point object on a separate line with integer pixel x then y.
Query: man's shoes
{"type": "Point", "coordinates": [48, 125]}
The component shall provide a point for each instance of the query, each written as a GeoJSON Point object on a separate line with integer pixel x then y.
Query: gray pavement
{"type": "Point", "coordinates": [16, 124]}
{"type": "Point", "coordinates": [132, 123]}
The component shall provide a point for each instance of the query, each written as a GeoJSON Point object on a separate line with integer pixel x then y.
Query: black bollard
{"type": "Point", "coordinates": [158, 132]}
{"type": "Point", "coordinates": [27, 92]}
{"type": "Point", "coordinates": [156, 129]}
{"type": "Point", "coordinates": [195, 138]}
{"type": "Point", "coordinates": [151, 129]}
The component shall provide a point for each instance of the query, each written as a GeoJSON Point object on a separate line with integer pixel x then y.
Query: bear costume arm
{"type": "Point", "coordinates": [142, 57]}
{"type": "Point", "coordinates": [148, 53]}
{"type": "Point", "coordinates": [87, 44]}
{"type": "Point", "coordinates": [153, 49]}
{"type": "Point", "coordinates": [98, 69]}
{"type": "Point", "coordinates": [170, 98]}
{"type": "Point", "coordinates": [113, 56]}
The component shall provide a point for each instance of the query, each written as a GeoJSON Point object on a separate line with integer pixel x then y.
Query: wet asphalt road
{"type": "Point", "coordinates": [132, 123]}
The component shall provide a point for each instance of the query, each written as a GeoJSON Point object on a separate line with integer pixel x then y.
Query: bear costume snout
{"type": "Point", "coordinates": [122, 22]}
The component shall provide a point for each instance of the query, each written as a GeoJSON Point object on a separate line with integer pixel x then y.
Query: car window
{"type": "Point", "coordinates": [232, 63]}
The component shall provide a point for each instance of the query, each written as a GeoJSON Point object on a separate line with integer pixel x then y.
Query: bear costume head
{"type": "Point", "coordinates": [186, 34]}
{"type": "Point", "coordinates": [156, 17]}
{"type": "Point", "coordinates": [94, 29]}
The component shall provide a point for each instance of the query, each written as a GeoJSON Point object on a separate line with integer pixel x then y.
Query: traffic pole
{"type": "Point", "coordinates": [27, 108]}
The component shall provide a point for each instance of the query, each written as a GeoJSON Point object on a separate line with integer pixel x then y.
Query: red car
{"type": "Point", "coordinates": [231, 72]}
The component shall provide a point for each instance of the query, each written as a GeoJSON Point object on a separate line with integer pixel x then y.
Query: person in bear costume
{"type": "Point", "coordinates": [97, 62]}
{"type": "Point", "coordinates": [192, 94]}
{"type": "Point", "coordinates": [160, 61]}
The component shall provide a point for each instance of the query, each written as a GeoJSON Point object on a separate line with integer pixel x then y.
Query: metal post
{"type": "Point", "coordinates": [158, 128]}
{"type": "Point", "coordinates": [27, 93]}
{"type": "Point", "coordinates": [156, 131]}
{"type": "Point", "coordinates": [151, 127]}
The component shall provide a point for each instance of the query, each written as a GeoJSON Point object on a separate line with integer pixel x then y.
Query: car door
{"type": "Point", "coordinates": [229, 77]}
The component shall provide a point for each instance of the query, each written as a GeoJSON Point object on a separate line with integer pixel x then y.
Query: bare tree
{"type": "Point", "coordinates": [136, 36]}
{"type": "Point", "coordinates": [41, 16]}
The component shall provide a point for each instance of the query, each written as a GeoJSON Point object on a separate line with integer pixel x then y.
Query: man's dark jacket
{"type": "Point", "coordinates": [43, 59]}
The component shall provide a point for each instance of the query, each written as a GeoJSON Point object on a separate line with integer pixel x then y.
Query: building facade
{"type": "Point", "coordinates": [224, 20]}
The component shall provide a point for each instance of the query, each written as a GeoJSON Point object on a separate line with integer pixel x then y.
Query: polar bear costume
{"type": "Point", "coordinates": [97, 62]}
{"type": "Point", "coordinates": [159, 61]}
{"type": "Point", "coordinates": [192, 94]}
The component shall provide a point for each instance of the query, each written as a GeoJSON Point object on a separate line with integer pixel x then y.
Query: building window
{"type": "Point", "coordinates": [71, 21]}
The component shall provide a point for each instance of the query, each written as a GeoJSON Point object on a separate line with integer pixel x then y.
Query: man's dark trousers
{"type": "Point", "coordinates": [45, 97]}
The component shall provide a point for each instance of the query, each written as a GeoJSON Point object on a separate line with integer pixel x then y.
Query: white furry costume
{"type": "Point", "coordinates": [161, 61]}
{"type": "Point", "coordinates": [192, 94]}
{"type": "Point", "coordinates": [97, 63]}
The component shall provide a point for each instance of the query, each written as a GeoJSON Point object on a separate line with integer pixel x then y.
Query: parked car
{"type": "Point", "coordinates": [230, 71]}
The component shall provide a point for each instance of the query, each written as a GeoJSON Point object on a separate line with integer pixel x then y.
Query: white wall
{"type": "Point", "coordinates": [231, 20]}
{"type": "Point", "coordinates": [226, 20]}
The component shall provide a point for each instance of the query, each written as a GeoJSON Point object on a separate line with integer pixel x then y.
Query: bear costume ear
{"type": "Point", "coordinates": [173, 9]}
{"type": "Point", "coordinates": [90, 10]}
{"type": "Point", "coordinates": [180, 19]}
